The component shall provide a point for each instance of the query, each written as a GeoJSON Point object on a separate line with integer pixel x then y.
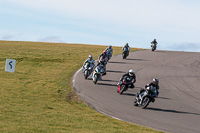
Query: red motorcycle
{"type": "Point", "coordinates": [124, 84]}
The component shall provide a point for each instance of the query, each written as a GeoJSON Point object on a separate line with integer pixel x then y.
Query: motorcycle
{"type": "Point", "coordinates": [109, 55]}
{"type": "Point", "coordinates": [143, 99]}
{"type": "Point", "coordinates": [87, 70]}
{"type": "Point", "coordinates": [153, 47]}
{"type": "Point", "coordinates": [124, 84]}
{"type": "Point", "coordinates": [97, 74]}
{"type": "Point", "coordinates": [103, 62]}
{"type": "Point", "coordinates": [125, 53]}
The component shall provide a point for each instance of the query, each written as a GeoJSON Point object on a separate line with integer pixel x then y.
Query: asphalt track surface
{"type": "Point", "coordinates": [177, 108]}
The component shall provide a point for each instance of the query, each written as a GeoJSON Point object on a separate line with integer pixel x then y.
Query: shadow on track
{"type": "Point", "coordinates": [128, 94]}
{"type": "Point", "coordinates": [172, 111]}
{"type": "Point", "coordinates": [107, 84]}
{"type": "Point", "coordinates": [115, 71]}
{"type": "Point", "coordinates": [137, 59]}
{"type": "Point", "coordinates": [117, 62]}
{"type": "Point", "coordinates": [163, 98]}
{"type": "Point", "coordinates": [107, 80]}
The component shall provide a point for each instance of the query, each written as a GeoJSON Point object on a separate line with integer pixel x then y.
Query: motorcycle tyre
{"type": "Point", "coordinates": [146, 103]}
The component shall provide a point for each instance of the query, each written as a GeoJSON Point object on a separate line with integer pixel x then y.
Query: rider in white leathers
{"type": "Point", "coordinates": [90, 60]}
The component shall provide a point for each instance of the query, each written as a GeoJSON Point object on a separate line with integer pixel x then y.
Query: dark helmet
{"type": "Point", "coordinates": [110, 47]}
{"type": "Point", "coordinates": [155, 81]}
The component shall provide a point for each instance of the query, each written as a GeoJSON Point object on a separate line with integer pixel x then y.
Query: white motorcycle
{"type": "Point", "coordinates": [97, 74]}
{"type": "Point", "coordinates": [87, 70]}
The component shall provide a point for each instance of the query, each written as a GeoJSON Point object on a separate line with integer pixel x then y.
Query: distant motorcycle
{"type": "Point", "coordinates": [153, 47]}
{"type": "Point", "coordinates": [146, 97]}
{"type": "Point", "coordinates": [87, 70]}
{"type": "Point", "coordinates": [97, 74]}
{"type": "Point", "coordinates": [124, 84]}
{"type": "Point", "coordinates": [125, 53]}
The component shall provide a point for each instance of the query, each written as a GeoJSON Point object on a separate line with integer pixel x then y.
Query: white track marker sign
{"type": "Point", "coordinates": [10, 65]}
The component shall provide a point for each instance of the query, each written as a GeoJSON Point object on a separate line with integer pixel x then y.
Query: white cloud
{"type": "Point", "coordinates": [186, 46]}
{"type": "Point", "coordinates": [54, 39]}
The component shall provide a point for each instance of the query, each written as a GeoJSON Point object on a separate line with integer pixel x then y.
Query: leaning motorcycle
{"type": "Point", "coordinates": [153, 47]}
{"type": "Point", "coordinates": [109, 55]}
{"type": "Point", "coordinates": [124, 84]}
{"type": "Point", "coordinates": [103, 62]}
{"type": "Point", "coordinates": [146, 97]}
{"type": "Point", "coordinates": [125, 53]}
{"type": "Point", "coordinates": [97, 74]}
{"type": "Point", "coordinates": [87, 70]}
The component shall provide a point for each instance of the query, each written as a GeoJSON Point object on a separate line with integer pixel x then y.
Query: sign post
{"type": "Point", "coordinates": [10, 65]}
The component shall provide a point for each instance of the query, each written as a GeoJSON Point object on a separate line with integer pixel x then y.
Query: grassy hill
{"type": "Point", "coordinates": [39, 96]}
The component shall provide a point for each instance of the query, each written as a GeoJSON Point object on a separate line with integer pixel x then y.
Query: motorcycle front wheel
{"type": "Point", "coordinates": [122, 89]}
{"type": "Point", "coordinates": [135, 102]}
{"type": "Point", "coordinates": [145, 102]}
{"type": "Point", "coordinates": [86, 74]}
{"type": "Point", "coordinates": [95, 79]}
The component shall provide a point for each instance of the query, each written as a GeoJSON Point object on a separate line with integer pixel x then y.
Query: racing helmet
{"type": "Point", "coordinates": [155, 81]}
{"type": "Point", "coordinates": [110, 47]}
{"type": "Point", "coordinates": [131, 72]}
{"type": "Point", "coordinates": [90, 56]}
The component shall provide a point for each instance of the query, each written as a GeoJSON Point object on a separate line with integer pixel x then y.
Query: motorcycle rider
{"type": "Point", "coordinates": [154, 42]}
{"type": "Point", "coordinates": [109, 49]}
{"type": "Point", "coordinates": [126, 48]}
{"type": "Point", "coordinates": [131, 75]}
{"type": "Point", "coordinates": [102, 63]}
{"type": "Point", "coordinates": [91, 62]}
{"type": "Point", "coordinates": [154, 83]}
{"type": "Point", "coordinates": [104, 56]}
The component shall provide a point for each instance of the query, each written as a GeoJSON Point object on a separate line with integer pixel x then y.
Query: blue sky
{"type": "Point", "coordinates": [174, 23]}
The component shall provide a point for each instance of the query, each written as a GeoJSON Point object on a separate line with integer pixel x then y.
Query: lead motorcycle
{"type": "Point", "coordinates": [97, 74]}
{"type": "Point", "coordinates": [124, 84]}
{"type": "Point", "coordinates": [87, 70]}
{"type": "Point", "coordinates": [153, 46]}
{"type": "Point", "coordinates": [147, 96]}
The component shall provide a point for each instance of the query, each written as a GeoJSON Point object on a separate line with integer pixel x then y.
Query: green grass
{"type": "Point", "coordinates": [39, 96]}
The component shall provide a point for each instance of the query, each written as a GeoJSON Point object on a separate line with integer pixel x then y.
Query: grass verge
{"type": "Point", "coordinates": [39, 96]}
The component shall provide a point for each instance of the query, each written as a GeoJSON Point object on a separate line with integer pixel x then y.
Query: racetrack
{"type": "Point", "coordinates": [177, 109]}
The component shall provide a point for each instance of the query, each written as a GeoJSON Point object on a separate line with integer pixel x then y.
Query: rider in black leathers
{"type": "Point", "coordinates": [131, 75]}
{"type": "Point", "coordinates": [154, 42]}
{"type": "Point", "coordinates": [154, 84]}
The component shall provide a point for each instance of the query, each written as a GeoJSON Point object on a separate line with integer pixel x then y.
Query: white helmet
{"type": "Point", "coordinates": [131, 72]}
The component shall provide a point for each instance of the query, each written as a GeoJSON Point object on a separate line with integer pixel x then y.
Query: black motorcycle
{"type": "Point", "coordinates": [153, 46]}
{"type": "Point", "coordinates": [124, 84]}
{"type": "Point", "coordinates": [147, 96]}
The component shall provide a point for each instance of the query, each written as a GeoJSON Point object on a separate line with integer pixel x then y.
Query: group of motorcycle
{"type": "Point", "coordinates": [99, 70]}
{"type": "Point", "coordinates": [143, 99]}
